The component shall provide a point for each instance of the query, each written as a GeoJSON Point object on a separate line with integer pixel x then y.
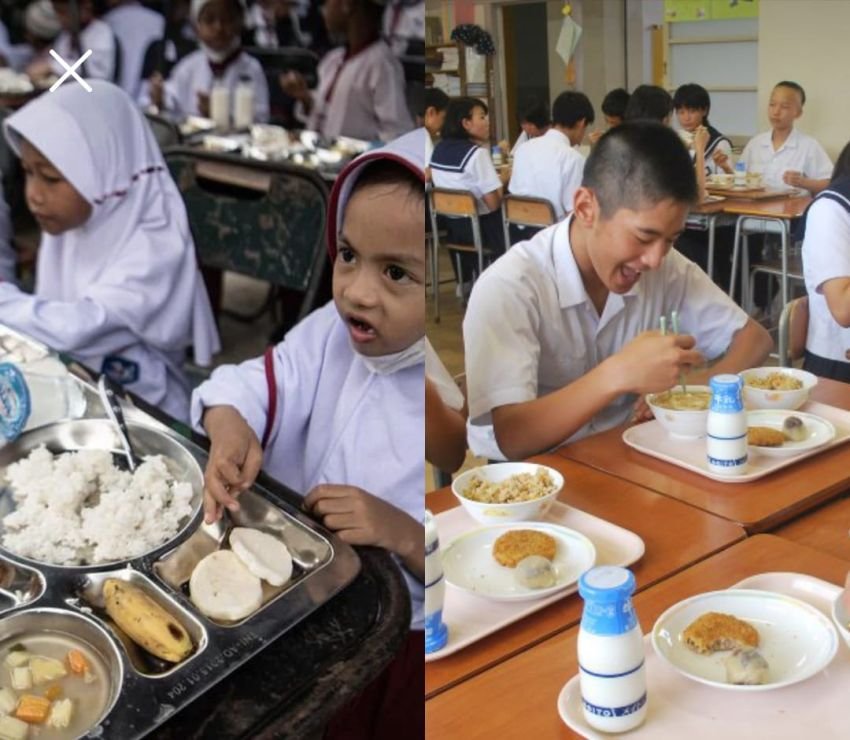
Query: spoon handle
{"type": "Point", "coordinates": [116, 414]}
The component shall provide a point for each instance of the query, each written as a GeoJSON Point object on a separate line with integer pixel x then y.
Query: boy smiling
{"type": "Point", "coordinates": [560, 333]}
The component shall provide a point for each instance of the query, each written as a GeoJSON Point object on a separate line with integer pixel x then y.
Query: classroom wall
{"type": "Point", "coordinates": [808, 43]}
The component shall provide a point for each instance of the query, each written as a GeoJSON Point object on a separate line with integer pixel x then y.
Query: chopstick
{"type": "Point", "coordinates": [674, 322]}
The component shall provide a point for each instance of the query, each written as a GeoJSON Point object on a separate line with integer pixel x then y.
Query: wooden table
{"type": "Point", "coordinates": [518, 698]}
{"type": "Point", "coordinates": [825, 528]}
{"type": "Point", "coordinates": [758, 506]}
{"type": "Point", "coordinates": [769, 204]}
{"type": "Point", "coordinates": [758, 217]}
{"type": "Point", "coordinates": [676, 536]}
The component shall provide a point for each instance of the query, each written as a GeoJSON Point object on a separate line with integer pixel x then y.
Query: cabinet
{"type": "Point", "coordinates": [459, 71]}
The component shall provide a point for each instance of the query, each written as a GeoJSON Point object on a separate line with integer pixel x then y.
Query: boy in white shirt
{"type": "Point", "coordinates": [93, 34]}
{"type": "Point", "coordinates": [361, 84]}
{"type": "Point", "coordinates": [548, 166]}
{"type": "Point", "coordinates": [786, 157]}
{"type": "Point", "coordinates": [220, 60]}
{"type": "Point", "coordinates": [560, 333]}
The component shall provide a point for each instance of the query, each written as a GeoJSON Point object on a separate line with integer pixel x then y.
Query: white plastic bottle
{"type": "Point", "coordinates": [726, 427]}
{"type": "Point", "coordinates": [220, 106]}
{"type": "Point", "coordinates": [243, 106]}
{"type": "Point", "coordinates": [611, 651]}
{"type": "Point", "coordinates": [740, 173]}
{"type": "Point", "coordinates": [436, 633]}
{"type": "Point", "coordinates": [31, 398]}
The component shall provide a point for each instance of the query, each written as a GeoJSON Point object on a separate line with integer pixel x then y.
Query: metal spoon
{"type": "Point", "coordinates": [113, 410]}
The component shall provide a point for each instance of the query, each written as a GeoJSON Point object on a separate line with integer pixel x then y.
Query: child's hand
{"type": "Point", "coordinates": [204, 104]}
{"type": "Point", "coordinates": [294, 85]}
{"type": "Point", "coordinates": [235, 459]}
{"type": "Point", "coordinates": [701, 136]}
{"type": "Point", "coordinates": [793, 178]}
{"type": "Point", "coordinates": [641, 411]}
{"type": "Point", "coordinates": [156, 87]}
{"type": "Point", "coordinates": [651, 363]}
{"type": "Point", "coordinates": [359, 518]}
{"type": "Point", "coordinates": [721, 158]}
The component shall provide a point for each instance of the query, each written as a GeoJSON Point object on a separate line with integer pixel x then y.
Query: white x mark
{"type": "Point", "coordinates": [70, 70]}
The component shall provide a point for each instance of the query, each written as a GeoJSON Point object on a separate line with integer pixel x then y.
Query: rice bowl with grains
{"type": "Point", "coordinates": [77, 508]}
{"type": "Point", "coordinates": [516, 488]}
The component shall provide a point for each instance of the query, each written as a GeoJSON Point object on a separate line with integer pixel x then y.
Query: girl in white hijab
{"type": "Point", "coordinates": [339, 406]}
{"type": "Point", "coordinates": [117, 284]}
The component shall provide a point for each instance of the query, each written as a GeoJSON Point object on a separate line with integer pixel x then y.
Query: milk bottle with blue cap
{"type": "Point", "coordinates": [726, 427]}
{"type": "Point", "coordinates": [610, 651]}
{"type": "Point", "coordinates": [436, 633]}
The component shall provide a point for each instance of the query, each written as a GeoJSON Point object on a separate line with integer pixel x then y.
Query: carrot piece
{"type": "Point", "coordinates": [53, 692]}
{"type": "Point", "coordinates": [33, 709]}
{"type": "Point", "coordinates": [77, 662]}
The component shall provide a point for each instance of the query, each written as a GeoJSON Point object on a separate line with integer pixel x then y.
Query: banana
{"type": "Point", "coordinates": [146, 622]}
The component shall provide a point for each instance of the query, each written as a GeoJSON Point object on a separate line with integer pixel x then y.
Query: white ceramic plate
{"type": "Point", "coordinates": [820, 431]}
{"type": "Point", "coordinates": [469, 565]}
{"type": "Point", "coordinates": [795, 638]}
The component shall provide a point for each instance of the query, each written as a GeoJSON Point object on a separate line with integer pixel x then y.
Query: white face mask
{"type": "Point", "coordinates": [220, 56]}
{"type": "Point", "coordinates": [387, 364]}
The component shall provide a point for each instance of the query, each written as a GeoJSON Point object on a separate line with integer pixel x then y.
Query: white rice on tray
{"type": "Point", "coordinates": [77, 508]}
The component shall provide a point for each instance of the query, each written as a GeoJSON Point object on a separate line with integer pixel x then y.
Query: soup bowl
{"type": "Point", "coordinates": [686, 423]}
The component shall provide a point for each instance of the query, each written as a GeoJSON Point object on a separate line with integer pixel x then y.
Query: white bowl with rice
{"type": "Point", "coordinates": [508, 492]}
{"type": "Point", "coordinates": [777, 387]}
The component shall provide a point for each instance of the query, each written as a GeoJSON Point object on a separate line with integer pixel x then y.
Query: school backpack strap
{"type": "Point", "coordinates": [268, 360]}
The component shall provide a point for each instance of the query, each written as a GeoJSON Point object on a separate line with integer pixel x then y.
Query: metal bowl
{"type": "Point", "coordinates": [90, 434]}
{"type": "Point", "coordinates": [61, 626]}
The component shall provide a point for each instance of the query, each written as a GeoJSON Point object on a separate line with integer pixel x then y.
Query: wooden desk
{"type": "Point", "coordinates": [675, 535]}
{"type": "Point", "coordinates": [825, 528]}
{"type": "Point", "coordinates": [758, 506]}
{"type": "Point", "coordinates": [518, 698]}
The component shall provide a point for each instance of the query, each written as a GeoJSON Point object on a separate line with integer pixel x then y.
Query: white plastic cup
{"type": "Point", "coordinates": [243, 108]}
{"type": "Point", "coordinates": [220, 107]}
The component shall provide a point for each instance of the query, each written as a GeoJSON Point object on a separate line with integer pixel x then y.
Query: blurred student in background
{"type": "Point", "coordinates": [77, 38]}
{"type": "Point", "coordinates": [136, 27]}
{"type": "Point", "coordinates": [220, 60]}
{"type": "Point", "coordinates": [534, 121]}
{"type": "Point", "coordinates": [361, 84]}
{"type": "Point", "coordinates": [178, 41]}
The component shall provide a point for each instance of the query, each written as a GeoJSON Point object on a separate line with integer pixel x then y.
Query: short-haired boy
{"type": "Point", "coordinates": [549, 166]}
{"type": "Point", "coordinates": [784, 155]}
{"type": "Point", "coordinates": [560, 333]}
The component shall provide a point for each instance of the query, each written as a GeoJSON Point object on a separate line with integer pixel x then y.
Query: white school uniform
{"type": "Point", "coordinates": [476, 174]}
{"type": "Point", "coordinates": [122, 293]}
{"type": "Point", "coordinates": [530, 327]}
{"type": "Point", "coordinates": [136, 28]}
{"type": "Point", "coordinates": [404, 21]}
{"type": "Point", "coordinates": [193, 75]}
{"type": "Point", "coordinates": [96, 36]}
{"type": "Point", "coordinates": [520, 140]}
{"type": "Point", "coordinates": [341, 418]}
{"type": "Point", "coordinates": [361, 97]}
{"type": "Point", "coordinates": [548, 167]}
{"type": "Point", "coordinates": [826, 255]}
{"type": "Point", "coordinates": [800, 153]}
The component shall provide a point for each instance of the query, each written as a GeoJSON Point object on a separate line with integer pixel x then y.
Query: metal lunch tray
{"type": "Point", "coordinates": [35, 596]}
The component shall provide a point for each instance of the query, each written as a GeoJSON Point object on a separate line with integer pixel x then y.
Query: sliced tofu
{"type": "Point", "coordinates": [12, 728]}
{"type": "Point", "coordinates": [265, 556]}
{"type": "Point", "coordinates": [8, 701]}
{"type": "Point", "coordinates": [223, 588]}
